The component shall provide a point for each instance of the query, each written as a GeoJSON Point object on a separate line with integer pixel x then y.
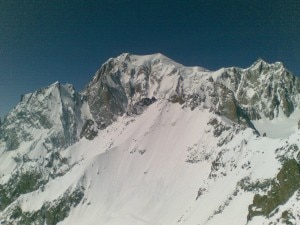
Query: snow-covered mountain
{"type": "Point", "coordinates": [150, 141]}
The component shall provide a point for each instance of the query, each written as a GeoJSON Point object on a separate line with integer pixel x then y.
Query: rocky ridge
{"type": "Point", "coordinates": [260, 91]}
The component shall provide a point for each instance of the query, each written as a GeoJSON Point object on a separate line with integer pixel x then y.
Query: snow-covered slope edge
{"type": "Point", "coordinates": [162, 144]}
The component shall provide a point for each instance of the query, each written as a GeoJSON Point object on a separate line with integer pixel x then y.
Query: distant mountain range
{"type": "Point", "coordinates": [150, 141]}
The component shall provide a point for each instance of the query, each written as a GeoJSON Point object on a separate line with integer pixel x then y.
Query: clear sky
{"type": "Point", "coordinates": [67, 40]}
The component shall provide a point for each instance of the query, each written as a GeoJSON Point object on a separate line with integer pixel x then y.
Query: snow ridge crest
{"type": "Point", "coordinates": [128, 83]}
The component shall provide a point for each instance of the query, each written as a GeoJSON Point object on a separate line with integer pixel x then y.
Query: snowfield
{"type": "Point", "coordinates": [137, 171]}
{"type": "Point", "coordinates": [173, 162]}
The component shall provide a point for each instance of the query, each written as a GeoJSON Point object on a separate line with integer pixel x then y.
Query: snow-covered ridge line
{"type": "Point", "coordinates": [262, 90]}
{"type": "Point", "coordinates": [123, 84]}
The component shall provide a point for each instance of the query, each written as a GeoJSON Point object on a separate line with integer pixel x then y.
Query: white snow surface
{"type": "Point", "coordinates": [137, 171]}
{"type": "Point", "coordinates": [279, 127]}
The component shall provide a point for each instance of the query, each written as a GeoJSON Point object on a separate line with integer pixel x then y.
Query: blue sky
{"type": "Point", "coordinates": [62, 40]}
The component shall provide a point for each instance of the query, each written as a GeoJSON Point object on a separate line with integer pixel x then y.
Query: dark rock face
{"type": "Point", "coordinates": [273, 88]}
{"type": "Point", "coordinates": [106, 95]}
{"type": "Point", "coordinates": [17, 185]}
{"type": "Point", "coordinates": [51, 212]}
{"type": "Point", "coordinates": [261, 90]}
{"type": "Point", "coordinates": [89, 130]}
{"type": "Point", "coordinates": [139, 107]}
{"type": "Point", "coordinates": [122, 85]}
{"type": "Point", "coordinates": [287, 182]}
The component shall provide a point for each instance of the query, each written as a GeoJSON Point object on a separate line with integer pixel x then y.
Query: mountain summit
{"type": "Point", "coordinates": [150, 141]}
{"type": "Point", "coordinates": [261, 91]}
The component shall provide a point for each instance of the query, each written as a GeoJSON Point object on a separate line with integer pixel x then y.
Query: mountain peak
{"type": "Point", "coordinates": [259, 63]}
{"type": "Point", "coordinates": [124, 56]}
{"type": "Point", "coordinates": [262, 64]}
{"type": "Point", "coordinates": [53, 111]}
{"type": "Point", "coordinates": [142, 59]}
{"type": "Point", "coordinates": [55, 83]}
{"type": "Point", "coordinates": [260, 60]}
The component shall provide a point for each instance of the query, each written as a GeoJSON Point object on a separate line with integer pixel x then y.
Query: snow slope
{"type": "Point", "coordinates": [183, 162]}
{"type": "Point", "coordinates": [137, 171]}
